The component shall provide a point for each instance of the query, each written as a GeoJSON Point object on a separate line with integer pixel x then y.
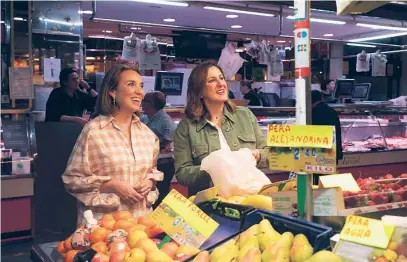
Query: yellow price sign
{"type": "Point", "coordinates": [183, 221]}
{"type": "Point", "coordinates": [367, 231]}
{"type": "Point", "coordinates": [301, 136]}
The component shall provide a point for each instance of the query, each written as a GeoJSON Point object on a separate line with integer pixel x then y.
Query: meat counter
{"type": "Point", "coordinates": [374, 137]}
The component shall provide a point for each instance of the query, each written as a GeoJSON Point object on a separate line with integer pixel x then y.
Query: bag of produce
{"type": "Point", "coordinates": [235, 172]}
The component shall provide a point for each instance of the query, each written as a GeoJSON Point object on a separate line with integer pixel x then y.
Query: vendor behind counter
{"type": "Point", "coordinates": [69, 102]}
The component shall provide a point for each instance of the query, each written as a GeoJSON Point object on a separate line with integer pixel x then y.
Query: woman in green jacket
{"type": "Point", "coordinates": [212, 122]}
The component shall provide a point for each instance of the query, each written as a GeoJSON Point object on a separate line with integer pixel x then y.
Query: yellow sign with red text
{"type": "Point", "coordinates": [301, 136]}
{"type": "Point", "coordinates": [183, 221]}
{"type": "Point", "coordinates": [367, 231]}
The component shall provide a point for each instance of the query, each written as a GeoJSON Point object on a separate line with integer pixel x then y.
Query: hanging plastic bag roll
{"type": "Point", "coordinates": [235, 172]}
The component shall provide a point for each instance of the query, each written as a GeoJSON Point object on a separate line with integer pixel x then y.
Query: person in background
{"type": "Point", "coordinates": [163, 127]}
{"type": "Point", "coordinates": [69, 102]}
{"type": "Point", "coordinates": [113, 165]}
{"type": "Point", "coordinates": [212, 122]}
{"type": "Point", "coordinates": [324, 115]}
{"type": "Point", "coordinates": [328, 90]}
{"type": "Point", "coordinates": [250, 94]}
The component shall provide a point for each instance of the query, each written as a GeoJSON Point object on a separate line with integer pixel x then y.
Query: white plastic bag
{"type": "Point", "coordinates": [235, 172]}
{"type": "Point", "coordinates": [363, 62]}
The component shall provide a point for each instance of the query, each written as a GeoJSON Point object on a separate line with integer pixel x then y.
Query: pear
{"type": "Point", "coordinates": [267, 235]}
{"type": "Point", "coordinates": [275, 249]}
{"type": "Point", "coordinates": [203, 256]}
{"type": "Point", "coordinates": [246, 236]}
{"type": "Point", "coordinates": [225, 253]}
{"type": "Point", "coordinates": [254, 229]}
{"type": "Point", "coordinates": [247, 246]}
{"type": "Point", "coordinates": [323, 256]}
{"type": "Point", "coordinates": [158, 256]}
{"type": "Point", "coordinates": [258, 201]}
{"type": "Point", "coordinates": [301, 249]}
{"type": "Point", "coordinates": [253, 255]}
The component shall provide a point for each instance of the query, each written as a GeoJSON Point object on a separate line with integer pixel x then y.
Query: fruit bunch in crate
{"type": "Point", "coordinates": [121, 237]}
{"type": "Point", "coordinates": [261, 242]}
{"type": "Point", "coordinates": [386, 189]}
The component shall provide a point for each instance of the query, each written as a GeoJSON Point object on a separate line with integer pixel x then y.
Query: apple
{"type": "Point", "coordinates": [100, 257]}
{"type": "Point", "coordinates": [117, 256]}
{"type": "Point", "coordinates": [118, 246]}
{"type": "Point", "coordinates": [134, 237]}
{"type": "Point", "coordinates": [135, 255]}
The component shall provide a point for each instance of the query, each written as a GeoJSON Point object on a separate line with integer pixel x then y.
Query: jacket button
{"type": "Point", "coordinates": [228, 129]}
{"type": "Point", "coordinates": [235, 144]}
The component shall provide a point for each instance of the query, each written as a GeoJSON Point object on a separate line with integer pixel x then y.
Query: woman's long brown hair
{"type": "Point", "coordinates": [195, 107]}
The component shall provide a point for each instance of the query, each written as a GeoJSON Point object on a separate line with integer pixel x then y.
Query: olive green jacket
{"type": "Point", "coordinates": [194, 140]}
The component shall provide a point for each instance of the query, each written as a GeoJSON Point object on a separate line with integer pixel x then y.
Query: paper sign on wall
{"type": "Point", "coordinates": [183, 221]}
{"type": "Point", "coordinates": [52, 68]}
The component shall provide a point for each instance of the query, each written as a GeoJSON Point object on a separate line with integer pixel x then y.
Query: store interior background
{"type": "Point", "coordinates": [93, 42]}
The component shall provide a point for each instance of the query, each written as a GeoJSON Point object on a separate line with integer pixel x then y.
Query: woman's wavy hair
{"type": "Point", "coordinates": [195, 107]}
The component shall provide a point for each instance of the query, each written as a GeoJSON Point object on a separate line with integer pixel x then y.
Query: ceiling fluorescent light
{"type": "Point", "coordinates": [105, 37]}
{"type": "Point", "coordinates": [238, 11]}
{"type": "Point", "coordinates": [19, 19]}
{"type": "Point", "coordinates": [361, 45]}
{"type": "Point", "coordinates": [85, 12]}
{"type": "Point", "coordinates": [232, 16]}
{"type": "Point", "coordinates": [382, 27]}
{"type": "Point", "coordinates": [328, 35]}
{"type": "Point", "coordinates": [398, 3]}
{"type": "Point", "coordinates": [377, 37]}
{"type": "Point", "coordinates": [281, 41]}
{"type": "Point", "coordinates": [236, 26]}
{"type": "Point", "coordinates": [162, 2]}
{"type": "Point", "coordinates": [319, 20]}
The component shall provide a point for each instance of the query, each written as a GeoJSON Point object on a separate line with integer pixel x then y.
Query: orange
{"type": "Point", "coordinates": [133, 220]}
{"type": "Point", "coordinates": [122, 224]}
{"type": "Point", "coordinates": [147, 221]}
{"type": "Point", "coordinates": [61, 247]}
{"type": "Point", "coordinates": [100, 247]}
{"type": "Point", "coordinates": [98, 235]}
{"type": "Point", "coordinates": [70, 255]}
{"type": "Point", "coordinates": [121, 215]}
{"type": "Point", "coordinates": [136, 227]}
{"type": "Point", "coordinates": [68, 244]}
{"type": "Point", "coordinates": [108, 224]}
{"type": "Point", "coordinates": [107, 217]}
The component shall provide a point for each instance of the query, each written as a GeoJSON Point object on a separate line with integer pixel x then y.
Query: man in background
{"type": "Point", "coordinates": [71, 101]}
{"type": "Point", "coordinates": [324, 115]}
{"type": "Point", "coordinates": [163, 127]}
{"type": "Point", "coordinates": [249, 94]}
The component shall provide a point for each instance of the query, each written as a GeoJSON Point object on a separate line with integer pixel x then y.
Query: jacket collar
{"type": "Point", "coordinates": [202, 122]}
{"type": "Point", "coordinates": [106, 120]}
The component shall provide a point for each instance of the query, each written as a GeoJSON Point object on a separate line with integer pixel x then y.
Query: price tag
{"type": "Point", "coordinates": [301, 136]}
{"type": "Point", "coordinates": [345, 181]}
{"type": "Point", "coordinates": [183, 221]}
{"type": "Point", "coordinates": [367, 231]}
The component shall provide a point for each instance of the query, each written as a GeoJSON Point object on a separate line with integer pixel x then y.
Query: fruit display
{"type": "Point", "coordinates": [256, 201]}
{"type": "Point", "coordinates": [262, 243]}
{"type": "Point", "coordinates": [376, 192]}
{"type": "Point", "coordinates": [120, 237]}
{"type": "Point", "coordinates": [396, 250]}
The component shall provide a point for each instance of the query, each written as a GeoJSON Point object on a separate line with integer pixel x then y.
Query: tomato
{"type": "Point", "coordinates": [100, 247]}
{"type": "Point", "coordinates": [122, 215]}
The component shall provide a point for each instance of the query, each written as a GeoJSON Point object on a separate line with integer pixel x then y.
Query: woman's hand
{"type": "Point", "coordinates": [256, 154]}
{"type": "Point", "coordinates": [144, 187]}
{"type": "Point", "coordinates": [123, 190]}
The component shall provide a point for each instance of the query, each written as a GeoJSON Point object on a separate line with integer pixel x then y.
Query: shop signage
{"type": "Point", "coordinates": [367, 231]}
{"type": "Point", "coordinates": [183, 221]}
{"type": "Point", "coordinates": [304, 136]}
{"type": "Point", "coordinates": [301, 148]}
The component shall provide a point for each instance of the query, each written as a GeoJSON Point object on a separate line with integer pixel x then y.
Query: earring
{"type": "Point", "coordinates": [114, 101]}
